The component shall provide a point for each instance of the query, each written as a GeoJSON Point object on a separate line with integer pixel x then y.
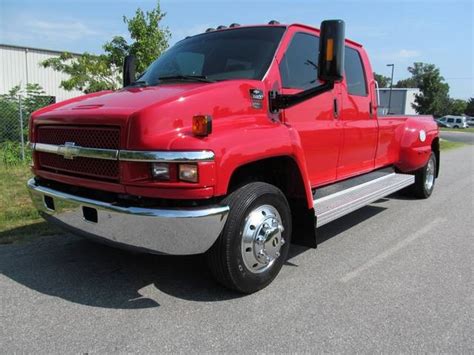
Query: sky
{"type": "Point", "coordinates": [399, 32]}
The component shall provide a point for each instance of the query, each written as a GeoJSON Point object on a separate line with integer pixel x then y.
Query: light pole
{"type": "Point", "coordinates": [391, 87]}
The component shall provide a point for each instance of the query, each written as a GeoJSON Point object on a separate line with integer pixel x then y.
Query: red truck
{"type": "Point", "coordinates": [234, 143]}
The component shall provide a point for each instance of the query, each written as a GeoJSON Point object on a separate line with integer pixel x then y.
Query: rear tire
{"type": "Point", "coordinates": [255, 241]}
{"type": "Point", "coordinates": [425, 179]}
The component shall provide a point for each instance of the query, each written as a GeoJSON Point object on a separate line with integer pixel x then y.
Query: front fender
{"type": "Point", "coordinates": [254, 143]}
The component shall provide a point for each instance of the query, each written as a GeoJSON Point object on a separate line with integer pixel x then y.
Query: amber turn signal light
{"type": "Point", "coordinates": [330, 50]}
{"type": "Point", "coordinates": [202, 125]}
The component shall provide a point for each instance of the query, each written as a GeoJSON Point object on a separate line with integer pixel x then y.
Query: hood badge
{"type": "Point", "coordinates": [68, 150]}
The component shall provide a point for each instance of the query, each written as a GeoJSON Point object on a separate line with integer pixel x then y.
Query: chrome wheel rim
{"type": "Point", "coordinates": [430, 175]}
{"type": "Point", "coordinates": [262, 238]}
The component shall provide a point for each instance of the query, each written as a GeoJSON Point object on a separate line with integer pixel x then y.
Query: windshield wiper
{"type": "Point", "coordinates": [201, 78]}
{"type": "Point", "coordinates": [139, 83]}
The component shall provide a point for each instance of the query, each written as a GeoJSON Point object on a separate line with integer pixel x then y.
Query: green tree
{"type": "Point", "coordinates": [149, 39]}
{"type": "Point", "coordinates": [406, 83]}
{"type": "Point", "coordinates": [382, 80]}
{"type": "Point", "coordinates": [434, 91]}
{"type": "Point", "coordinates": [470, 107]}
{"type": "Point", "coordinates": [457, 107]}
{"type": "Point", "coordinates": [29, 99]}
{"type": "Point", "coordinates": [91, 73]}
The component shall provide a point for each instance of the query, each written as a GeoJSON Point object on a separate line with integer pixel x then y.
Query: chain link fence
{"type": "Point", "coordinates": [15, 111]}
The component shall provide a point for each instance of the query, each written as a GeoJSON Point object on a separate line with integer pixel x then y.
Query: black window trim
{"type": "Point", "coordinates": [367, 89]}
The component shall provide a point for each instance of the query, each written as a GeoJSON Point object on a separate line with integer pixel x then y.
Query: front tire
{"type": "Point", "coordinates": [425, 179]}
{"type": "Point", "coordinates": [254, 244]}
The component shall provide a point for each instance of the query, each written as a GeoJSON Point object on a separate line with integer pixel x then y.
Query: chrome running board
{"type": "Point", "coordinates": [331, 207]}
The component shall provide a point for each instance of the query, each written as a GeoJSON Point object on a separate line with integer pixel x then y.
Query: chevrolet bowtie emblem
{"type": "Point", "coordinates": [68, 150]}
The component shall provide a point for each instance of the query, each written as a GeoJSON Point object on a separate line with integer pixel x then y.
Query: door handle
{"type": "Point", "coordinates": [335, 109]}
{"type": "Point", "coordinates": [371, 109]}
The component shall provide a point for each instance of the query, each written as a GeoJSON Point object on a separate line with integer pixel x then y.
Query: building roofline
{"type": "Point", "coordinates": [4, 45]}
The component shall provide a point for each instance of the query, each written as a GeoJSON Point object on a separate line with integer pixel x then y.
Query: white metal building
{"type": "Point", "coordinates": [21, 65]}
{"type": "Point", "coordinates": [401, 102]}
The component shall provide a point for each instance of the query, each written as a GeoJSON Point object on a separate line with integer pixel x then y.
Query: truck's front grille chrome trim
{"type": "Point", "coordinates": [72, 151]}
{"type": "Point", "coordinates": [166, 156]}
{"type": "Point", "coordinates": [69, 151]}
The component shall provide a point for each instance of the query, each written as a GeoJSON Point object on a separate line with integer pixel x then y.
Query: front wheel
{"type": "Point", "coordinates": [255, 241]}
{"type": "Point", "coordinates": [425, 179]}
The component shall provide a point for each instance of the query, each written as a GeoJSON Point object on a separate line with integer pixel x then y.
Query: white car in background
{"type": "Point", "coordinates": [454, 121]}
{"type": "Point", "coordinates": [470, 120]}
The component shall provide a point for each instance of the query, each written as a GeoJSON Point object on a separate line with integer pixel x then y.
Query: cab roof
{"type": "Point", "coordinates": [357, 44]}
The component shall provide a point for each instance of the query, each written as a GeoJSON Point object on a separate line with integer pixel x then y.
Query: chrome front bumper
{"type": "Point", "coordinates": [164, 231]}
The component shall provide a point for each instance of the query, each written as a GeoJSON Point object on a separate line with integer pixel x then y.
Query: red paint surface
{"type": "Point", "coordinates": [326, 149]}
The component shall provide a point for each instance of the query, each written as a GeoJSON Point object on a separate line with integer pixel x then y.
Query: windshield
{"type": "Point", "coordinates": [241, 53]}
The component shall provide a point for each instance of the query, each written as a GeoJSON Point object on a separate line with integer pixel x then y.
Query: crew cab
{"type": "Point", "coordinates": [234, 143]}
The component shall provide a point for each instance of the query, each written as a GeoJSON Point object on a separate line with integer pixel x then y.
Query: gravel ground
{"type": "Point", "coordinates": [396, 276]}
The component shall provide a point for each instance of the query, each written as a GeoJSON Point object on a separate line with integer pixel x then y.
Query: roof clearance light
{"type": "Point", "coordinates": [202, 125]}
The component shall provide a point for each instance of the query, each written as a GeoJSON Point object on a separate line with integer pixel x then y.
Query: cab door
{"type": "Point", "coordinates": [359, 122]}
{"type": "Point", "coordinates": [315, 120]}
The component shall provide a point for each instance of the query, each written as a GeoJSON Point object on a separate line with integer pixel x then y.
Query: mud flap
{"type": "Point", "coordinates": [304, 227]}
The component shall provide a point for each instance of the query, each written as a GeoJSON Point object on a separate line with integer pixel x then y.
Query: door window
{"type": "Point", "coordinates": [355, 76]}
{"type": "Point", "coordinates": [299, 68]}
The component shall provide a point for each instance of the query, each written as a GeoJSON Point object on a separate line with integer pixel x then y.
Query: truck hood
{"type": "Point", "coordinates": [150, 116]}
{"type": "Point", "coordinates": [124, 102]}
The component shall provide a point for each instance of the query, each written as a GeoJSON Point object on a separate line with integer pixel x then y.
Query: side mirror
{"type": "Point", "coordinates": [331, 51]}
{"type": "Point", "coordinates": [129, 65]}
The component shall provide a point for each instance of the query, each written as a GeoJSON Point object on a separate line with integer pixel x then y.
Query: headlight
{"type": "Point", "coordinates": [188, 172]}
{"type": "Point", "coordinates": [160, 171]}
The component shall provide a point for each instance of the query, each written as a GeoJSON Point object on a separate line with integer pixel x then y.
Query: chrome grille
{"type": "Point", "coordinates": [84, 136]}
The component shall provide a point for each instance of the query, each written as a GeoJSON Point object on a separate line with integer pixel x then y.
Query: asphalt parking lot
{"type": "Point", "coordinates": [396, 276]}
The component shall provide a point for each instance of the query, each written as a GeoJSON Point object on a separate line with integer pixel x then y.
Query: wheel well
{"type": "Point", "coordinates": [435, 149]}
{"type": "Point", "coordinates": [282, 172]}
